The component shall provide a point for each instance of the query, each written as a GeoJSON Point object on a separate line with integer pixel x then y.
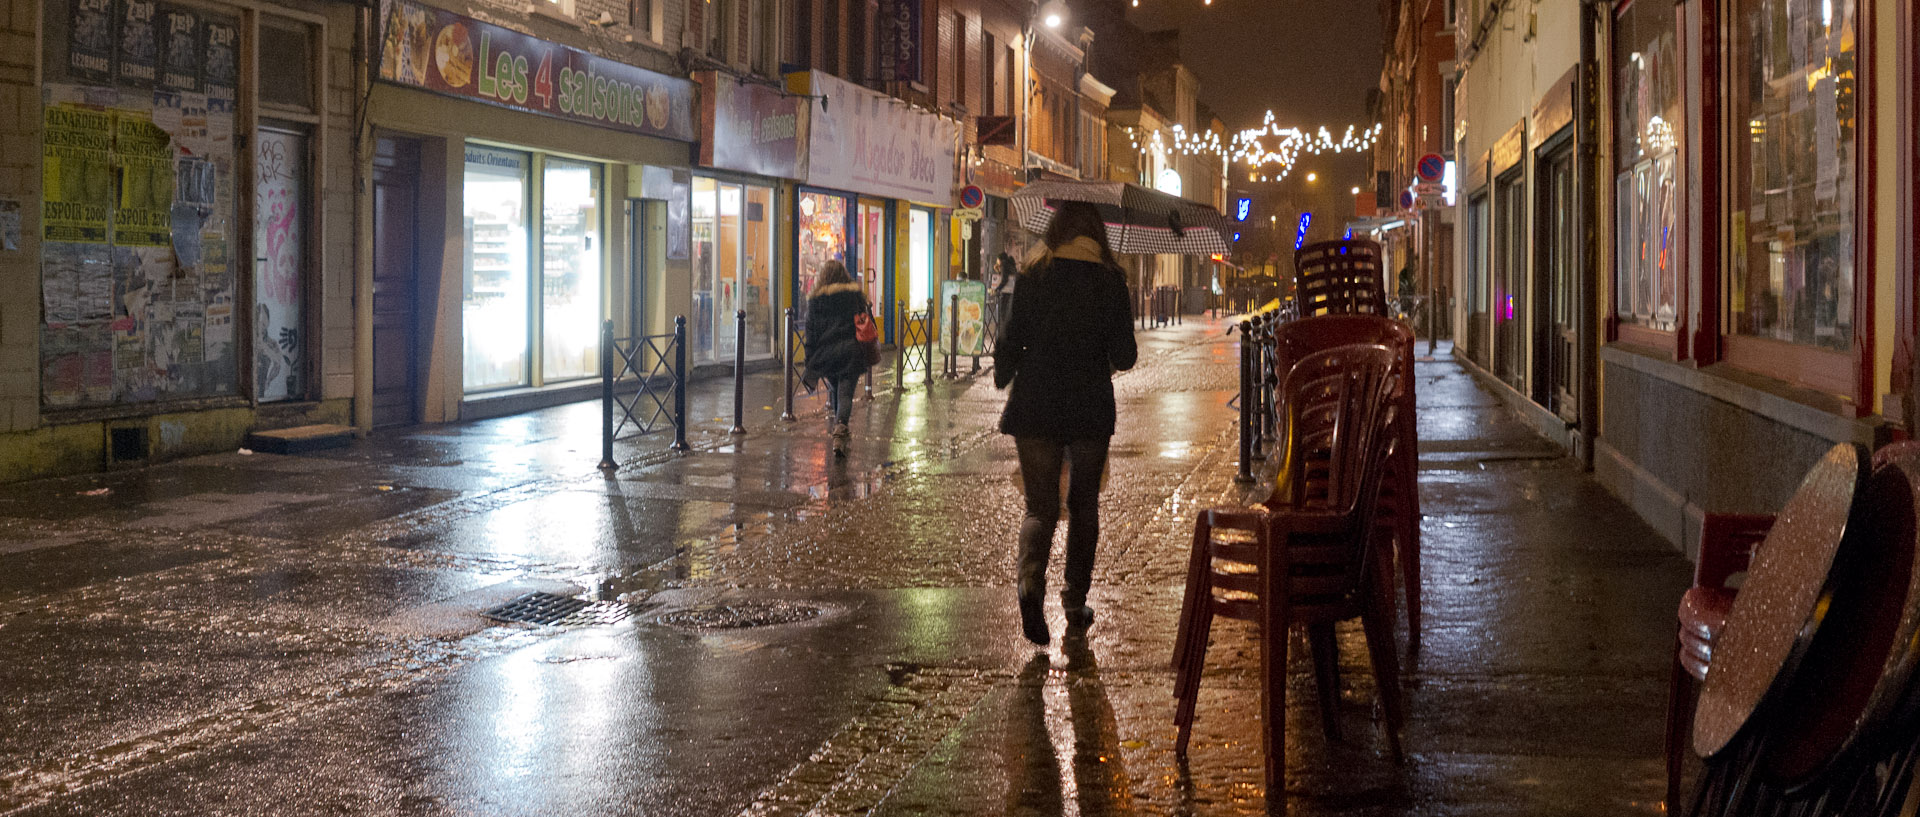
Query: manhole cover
{"type": "Point", "coordinates": [739, 614]}
{"type": "Point", "coordinates": [550, 610]}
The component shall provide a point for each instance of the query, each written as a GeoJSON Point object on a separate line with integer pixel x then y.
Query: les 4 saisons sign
{"type": "Point", "coordinates": [447, 53]}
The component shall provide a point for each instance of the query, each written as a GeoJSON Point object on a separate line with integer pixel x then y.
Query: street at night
{"type": "Point", "coordinates": [255, 634]}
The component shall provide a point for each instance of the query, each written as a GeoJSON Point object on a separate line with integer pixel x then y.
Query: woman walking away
{"type": "Point", "coordinates": [833, 350]}
{"type": "Point", "coordinates": [1071, 327]}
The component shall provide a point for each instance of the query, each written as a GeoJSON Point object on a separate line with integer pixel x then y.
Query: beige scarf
{"type": "Point", "coordinates": [1079, 249]}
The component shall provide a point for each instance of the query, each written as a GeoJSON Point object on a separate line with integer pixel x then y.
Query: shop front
{"type": "Point", "coordinates": [167, 154]}
{"type": "Point", "coordinates": [752, 147]}
{"type": "Point", "coordinates": [521, 244]}
{"type": "Point", "coordinates": [1761, 298]}
{"type": "Point", "coordinates": [879, 181]}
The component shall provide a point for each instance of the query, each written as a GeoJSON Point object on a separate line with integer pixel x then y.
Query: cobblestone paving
{"type": "Point", "coordinates": [248, 634]}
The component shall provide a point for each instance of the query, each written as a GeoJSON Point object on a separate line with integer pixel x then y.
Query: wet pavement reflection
{"type": "Point", "coordinates": [249, 633]}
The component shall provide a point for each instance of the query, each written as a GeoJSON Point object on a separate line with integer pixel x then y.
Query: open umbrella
{"type": "Point", "coordinates": [1139, 220]}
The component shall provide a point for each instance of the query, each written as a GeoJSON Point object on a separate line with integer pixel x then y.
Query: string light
{"type": "Point", "coordinates": [1259, 149]}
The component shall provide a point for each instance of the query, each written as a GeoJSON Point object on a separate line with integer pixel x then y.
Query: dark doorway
{"type": "Point", "coordinates": [396, 228]}
{"type": "Point", "coordinates": [1556, 282]}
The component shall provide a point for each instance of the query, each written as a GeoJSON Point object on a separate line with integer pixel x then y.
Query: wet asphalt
{"type": "Point", "coordinates": [301, 635]}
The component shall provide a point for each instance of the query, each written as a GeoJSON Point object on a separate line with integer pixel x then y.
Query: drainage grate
{"type": "Point", "coordinates": [741, 614]}
{"type": "Point", "coordinates": [549, 610]}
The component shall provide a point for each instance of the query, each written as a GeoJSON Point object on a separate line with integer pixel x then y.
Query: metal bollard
{"type": "Point", "coordinates": [788, 414]}
{"type": "Point", "coordinates": [606, 398]}
{"type": "Point", "coordinates": [739, 372]}
{"type": "Point", "coordinates": [929, 333]}
{"type": "Point", "coordinates": [900, 344]}
{"type": "Point", "coordinates": [680, 384]}
{"type": "Point", "coordinates": [952, 365]}
{"type": "Point", "coordinates": [1245, 476]}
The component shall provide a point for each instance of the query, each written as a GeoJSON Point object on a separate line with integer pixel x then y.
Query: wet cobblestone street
{"type": "Point", "coordinates": [250, 634]}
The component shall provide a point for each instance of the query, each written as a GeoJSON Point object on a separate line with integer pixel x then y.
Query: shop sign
{"type": "Point", "coordinates": [900, 40]}
{"type": "Point", "coordinates": [864, 142]}
{"type": "Point", "coordinates": [751, 128]}
{"type": "Point", "coordinates": [459, 56]}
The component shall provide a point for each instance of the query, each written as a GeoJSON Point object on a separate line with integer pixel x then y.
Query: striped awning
{"type": "Point", "coordinates": [1139, 219]}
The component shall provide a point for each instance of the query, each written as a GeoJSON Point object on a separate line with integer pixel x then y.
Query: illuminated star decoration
{"type": "Point", "coordinates": [1269, 151]}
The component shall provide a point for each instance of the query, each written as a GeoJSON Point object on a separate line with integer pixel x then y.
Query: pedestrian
{"type": "Point", "coordinates": [1006, 275]}
{"type": "Point", "coordinates": [835, 353]}
{"type": "Point", "coordinates": [1070, 328]}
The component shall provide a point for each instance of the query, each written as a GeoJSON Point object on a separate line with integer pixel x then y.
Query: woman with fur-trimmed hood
{"type": "Point", "coordinates": [833, 353]}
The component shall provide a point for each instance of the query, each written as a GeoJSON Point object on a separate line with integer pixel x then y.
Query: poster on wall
{"type": "Point", "coordinates": [144, 154]}
{"type": "Point", "coordinates": [459, 56]}
{"type": "Point", "coordinates": [134, 275]}
{"type": "Point", "coordinates": [278, 240]}
{"type": "Point", "coordinates": [76, 173]}
{"type": "Point", "coordinates": [223, 59]}
{"type": "Point", "coordinates": [138, 57]}
{"type": "Point", "coordinates": [180, 48]}
{"type": "Point", "coordinates": [679, 221]}
{"type": "Point", "coordinates": [90, 40]}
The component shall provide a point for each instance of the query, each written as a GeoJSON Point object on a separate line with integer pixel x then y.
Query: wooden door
{"type": "Point", "coordinates": [396, 198]}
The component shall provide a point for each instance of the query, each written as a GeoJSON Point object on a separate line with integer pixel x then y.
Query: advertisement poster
{"type": "Point", "coordinates": [972, 312]}
{"type": "Point", "coordinates": [139, 52]}
{"type": "Point", "coordinates": [181, 46]}
{"type": "Point", "coordinates": [145, 154]}
{"type": "Point", "coordinates": [90, 40]}
{"type": "Point", "coordinates": [459, 56]}
{"type": "Point", "coordinates": [76, 174]}
{"type": "Point", "coordinates": [223, 57]}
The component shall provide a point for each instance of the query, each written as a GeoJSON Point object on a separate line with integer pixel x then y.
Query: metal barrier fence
{"type": "Point", "coordinates": [636, 376]}
{"type": "Point", "coordinates": [916, 343]}
{"type": "Point", "coordinates": [1259, 383]}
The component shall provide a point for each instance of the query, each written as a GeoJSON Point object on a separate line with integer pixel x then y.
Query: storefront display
{"type": "Point", "coordinates": [919, 254]}
{"type": "Point", "coordinates": [1647, 272]}
{"type": "Point", "coordinates": [494, 312]}
{"type": "Point", "coordinates": [821, 232]}
{"type": "Point", "coordinates": [570, 270]}
{"type": "Point", "coordinates": [1792, 199]}
{"type": "Point", "coordinates": [870, 254]}
{"type": "Point", "coordinates": [732, 250]}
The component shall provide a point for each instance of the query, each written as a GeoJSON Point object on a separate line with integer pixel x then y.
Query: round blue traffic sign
{"type": "Point", "coordinates": [1431, 168]}
{"type": "Point", "coordinates": [972, 196]}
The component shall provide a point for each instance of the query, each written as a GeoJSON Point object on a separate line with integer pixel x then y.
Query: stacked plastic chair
{"type": "Point", "coordinates": [1341, 296]}
{"type": "Point", "coordinates": [1304, 557]}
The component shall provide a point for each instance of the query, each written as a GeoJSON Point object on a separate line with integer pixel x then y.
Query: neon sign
{"type": "Point", "coordinates": [1300, 237]}
{"type": "Point", "coordinates": [1241, 209]}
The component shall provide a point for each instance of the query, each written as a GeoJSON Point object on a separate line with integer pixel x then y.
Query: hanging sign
{"type": "Point", "coordinates": [459, 56]}
{"type": "Point", "coordinates": [900, 40]}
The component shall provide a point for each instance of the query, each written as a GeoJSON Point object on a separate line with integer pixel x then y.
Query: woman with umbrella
{"type": "Point", "coordinates": [1070, 328]}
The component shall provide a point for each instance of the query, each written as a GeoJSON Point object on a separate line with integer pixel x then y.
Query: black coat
{"type": "Point", "coordinates": [1070, 328]}
{"type": "Point", "coordinates": [832, 351]}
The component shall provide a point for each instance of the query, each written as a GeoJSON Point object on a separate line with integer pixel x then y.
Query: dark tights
{"type": "Point", "coordinates": [1041, 462]}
